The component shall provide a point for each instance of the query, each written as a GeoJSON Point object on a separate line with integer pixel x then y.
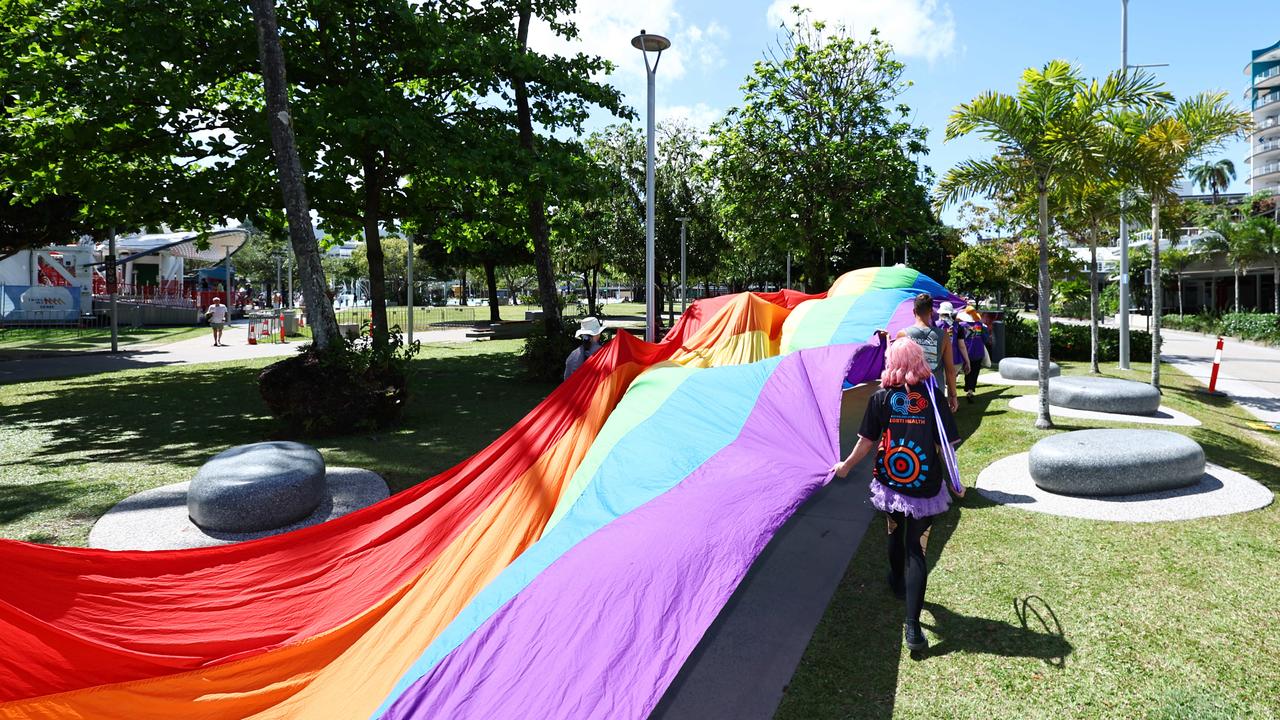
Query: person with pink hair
{"type": "Point", "coordinates": [909, 423]}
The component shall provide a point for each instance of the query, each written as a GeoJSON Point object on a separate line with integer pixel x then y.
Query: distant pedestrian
{"type": "Point", "coordinates": [912, 432]}
{"type": "Point", "coordinates": [589, 330]}
{"type": "Point", "coordinates": [217, 316]}
{"type": "Point", "coordinates": [978, 344]}
{"type": "Point", "coordinates": [936, 346]}
{"type": "Point", "coordinates": [959, 334]}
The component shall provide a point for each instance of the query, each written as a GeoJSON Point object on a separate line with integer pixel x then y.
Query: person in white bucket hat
{"type": "Point", "coordinates": [589, 329]}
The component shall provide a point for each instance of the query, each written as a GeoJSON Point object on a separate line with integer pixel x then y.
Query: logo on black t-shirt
{"type": "Point", "coordinates": [905, 403]}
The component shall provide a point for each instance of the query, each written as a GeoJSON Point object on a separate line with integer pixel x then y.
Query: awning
{"type": "Point", "coordinates": [180, 244]}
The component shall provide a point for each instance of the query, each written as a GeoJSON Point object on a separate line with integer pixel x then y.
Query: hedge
{"type": "Point", "coordinates": [1071, 342]}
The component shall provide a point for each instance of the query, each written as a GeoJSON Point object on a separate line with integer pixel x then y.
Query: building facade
{"type": "Point", "coordinates": [1264, 98]}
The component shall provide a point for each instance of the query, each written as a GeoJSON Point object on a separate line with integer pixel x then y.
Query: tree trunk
{"type": "Point", "coordinates": [320, 316]}
{"type": "Point", "coordinates": [491, 280]}
{"type": "Point", "coordinates": [373, 248]}
{"type": "Point", "coordinates": [1157, 294]}
{"type": "Point", "coordinates": [1275, 279]}
{"type": "Point", "coordinates": [1093, 300]}
{"type": "Point", "coordinates": [1179, 293]}
{"type": "Point", "coordinates": [815, 268]}
{"type": "Point", "coordinates": [534, 189]}
{"type": "Point", "coordinates": [1213, 294]}
{"type": "Point", "coordinates": [1237, 298]}
{"type": "Point", "coordinates": [1043, 421]}
{"type": "Point", "coordinates": [593, 291]}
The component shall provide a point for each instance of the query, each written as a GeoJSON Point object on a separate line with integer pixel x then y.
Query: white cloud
{"type": "Point", "coordinates": [605, 29]}
{"type": "Point", "coordinates": [917, 28]}
{"type": "Point", "coordinates": [700, 115]}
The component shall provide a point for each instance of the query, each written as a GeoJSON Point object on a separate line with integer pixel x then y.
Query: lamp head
{"type": "Point", "coordinates": [650, 43]}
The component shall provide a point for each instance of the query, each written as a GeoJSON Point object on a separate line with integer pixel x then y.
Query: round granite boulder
{"type": "Point", "coordinates": [1116, 462]}
{"type": "Point", "coordinates": [1102, 394]}
{"type": "Point", "coordinates": [261, 486]}
{"type": "Point", "coordinates": [1017, 368]}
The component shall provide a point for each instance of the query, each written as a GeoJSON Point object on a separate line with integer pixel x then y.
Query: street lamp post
{"type": "Point", "coordinates": [278, 258]}
{"type": "Point", "coordinates": [647, 43]}
{"type": "Point", "coordinates": [684, 289]}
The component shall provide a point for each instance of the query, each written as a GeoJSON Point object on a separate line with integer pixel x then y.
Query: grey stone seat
{"type": "Point", "coordinates": [1101, 394]}
{"type": "Point", "coordinates": [1115, 462]}
{"type": "Point", "coordinates": [260, 486]}
{"type": "Point", "coordinates": [1018, 368]}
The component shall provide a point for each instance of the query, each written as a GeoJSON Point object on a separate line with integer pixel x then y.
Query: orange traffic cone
{"type": "Point", "coordinates": [253, 334]}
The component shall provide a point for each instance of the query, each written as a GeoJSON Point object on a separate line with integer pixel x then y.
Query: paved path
{"type": "Point", "coordinates": [1250, 374]}
{"type": "Point", "coordinates": [193, 351]}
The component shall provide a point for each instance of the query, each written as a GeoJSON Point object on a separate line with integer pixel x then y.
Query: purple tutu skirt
{"type": "Point", "coordinates": [888, 500]}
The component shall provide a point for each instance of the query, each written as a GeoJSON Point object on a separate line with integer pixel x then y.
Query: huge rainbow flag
{"type": "Point", "coordinates": [566, 571]}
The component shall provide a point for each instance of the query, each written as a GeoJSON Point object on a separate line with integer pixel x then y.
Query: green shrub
{"type": "Point", "coordinates": [1250, 326]}
{"type": "Point", "coordinates": [1071, 342]}
{"type": "Point", "coordinates": [1071, 299]}
{"type": "Point", "coordinates": [544, 355]}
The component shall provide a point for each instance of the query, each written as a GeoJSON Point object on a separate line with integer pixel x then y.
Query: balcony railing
{"type": "Point", "coordinates": [1266, 146]}
{"type": "Point", "coordinates": [1265, 74]}
{"type": "Point", "coordinates": [1266, 99]}
{"type": "Point", "coordinates": [1266, 169]}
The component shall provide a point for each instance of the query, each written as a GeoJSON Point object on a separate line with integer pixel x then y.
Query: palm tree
{"type": "Point", "coordinates": [1237, 241]}
{"type": "Point", "coordinates": [1214, 177]}
{"type": "Point", "coordinates": [1177, 259]}
{"type": "Point", "coordinates": [1264, 244]}
{"type": "Point", "coordinates": [1087, 208]}
{"type": "Point", "coordinates": [1049, 134]}
{"type": "Point", "coordinates": [1157, 143]}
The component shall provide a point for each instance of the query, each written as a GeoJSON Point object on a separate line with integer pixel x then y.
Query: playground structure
{"type": "Point", "coordinates": [69, 284]}
{"type": "Point", "coordinates": [546, 551]}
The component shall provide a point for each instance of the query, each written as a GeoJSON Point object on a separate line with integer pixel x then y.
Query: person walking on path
{"type": "Point", "coordinates": [975, 341]}
{"type": "Point", "coordinates": [912, 431]}
{"type": "Point", "coordinates": [589, 330]}
{"type": "Point", "coordinates": [936, 345]}
{"type": "Point", "coordinates": [959, 334]}
{"type": "Point", "coordinates": [217, 316]}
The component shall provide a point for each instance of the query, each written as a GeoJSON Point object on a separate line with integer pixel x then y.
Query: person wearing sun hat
{"type": "Point", "coordinates": [589, 329]}
{"type": "Point", "coordinates": [959, 335]}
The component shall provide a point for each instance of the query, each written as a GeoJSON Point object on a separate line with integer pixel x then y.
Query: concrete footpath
{"type": "Point", "coordinates": [1249, 374]}
{"type": "Point", "coordinates": [43, 366]}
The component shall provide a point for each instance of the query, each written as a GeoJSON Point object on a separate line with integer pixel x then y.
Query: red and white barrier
{"type": "Point", "coordinates": [1217, 360]}
{"type": "Point", "coordinates": [253, 334]}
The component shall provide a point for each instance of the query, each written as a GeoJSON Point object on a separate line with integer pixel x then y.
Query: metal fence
{"type": "Point", "coordinates": [424, 318]}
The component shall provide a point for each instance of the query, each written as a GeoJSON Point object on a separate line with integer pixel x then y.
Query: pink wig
{"type": "Point", "coordinates": [904, 365]}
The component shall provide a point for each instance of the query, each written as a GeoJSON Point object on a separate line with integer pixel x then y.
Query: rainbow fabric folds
{"type": "Point", "coordinates": [567, 570]}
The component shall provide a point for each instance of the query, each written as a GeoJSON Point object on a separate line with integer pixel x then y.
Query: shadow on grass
{"type": "Point", "coordinates": [19, 501]}
{"type": "Point", "coordinates": [457, 405]}
{"type": "Point", "coordinates": [1038, 633]}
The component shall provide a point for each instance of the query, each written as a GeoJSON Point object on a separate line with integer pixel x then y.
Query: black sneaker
{"type": "Point", "coordinates": [914, 636]}
{"type": "Point", "coordinates": [969, 397]}
{"type": "Point", "coordinates": [897, 587]}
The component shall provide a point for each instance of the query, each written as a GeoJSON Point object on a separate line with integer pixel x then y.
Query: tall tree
{"type": "Point", "coordinates": [1233, 240]}
{"type": "Point", "coordinates": [1050, 133]}
{"type": "Point", "coordinates": [1157, 142]}
{"type": "Point", "coordinates": [1214, 177]}
{"type": "Point", "coordinates": [323, 322]}
{"type": "Point", "coordinates": [1264, 239]}
{"type": "Point", "coordinates": [821, 134]}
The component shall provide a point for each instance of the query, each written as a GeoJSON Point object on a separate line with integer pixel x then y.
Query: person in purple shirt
{"type": "Point", "coordinates": [907, 422]}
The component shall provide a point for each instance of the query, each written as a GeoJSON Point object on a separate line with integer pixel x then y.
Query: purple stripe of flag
{"type": "Point", "coordinates": [602, 632]}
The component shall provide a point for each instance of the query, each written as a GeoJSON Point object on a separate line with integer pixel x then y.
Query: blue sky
{"type": "Point", "coordinates": [953, 49]}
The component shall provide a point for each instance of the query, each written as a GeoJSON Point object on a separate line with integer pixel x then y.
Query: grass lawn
{"type": "Point", "coordinates": [1039, 616]}
{"type": "Point", "coordinates": [72, 448]}
{"type": "Point", "coordinates": [91, 338]}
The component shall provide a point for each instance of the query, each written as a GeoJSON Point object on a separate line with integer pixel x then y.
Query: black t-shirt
{"type": "Point", "coordinates": [901, 421]}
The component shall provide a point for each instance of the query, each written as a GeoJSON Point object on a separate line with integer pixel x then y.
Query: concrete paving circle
{"type": "Point", "coordinates": [1163, 416]}
{"type": "Point", "coordinates": [156, 519]}
{"type": "Point", "coordinates": [1219, 492]}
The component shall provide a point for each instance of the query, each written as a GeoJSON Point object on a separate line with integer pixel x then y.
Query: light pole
{"type": "Point", "coordinates": [796, 217]}
{"type": "Point", "coordinates": [1124, 203]}
{"type": "Point", "coordinates": [684, 291]}
{"type": "Point", "coordinates": [408, 265]}
{"type": "Point", "coordinates": [647, 43]}
{"type": "Point", "coordinates": [278, 258]}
